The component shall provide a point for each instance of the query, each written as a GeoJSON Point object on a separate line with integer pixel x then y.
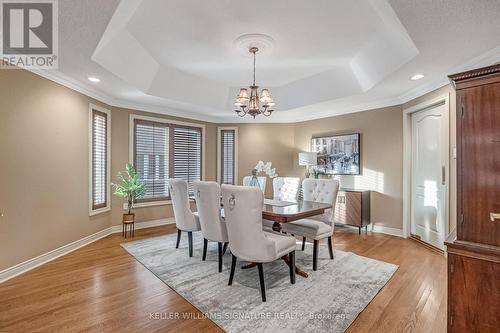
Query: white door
{"type": "Point", "coordinates": [429, 175]}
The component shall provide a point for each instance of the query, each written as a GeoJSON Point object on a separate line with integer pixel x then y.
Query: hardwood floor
{"type": "Point", "coordinates": [101, 288]}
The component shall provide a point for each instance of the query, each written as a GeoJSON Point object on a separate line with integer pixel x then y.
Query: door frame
{"type": "Point", "coordinates": [407, 160]}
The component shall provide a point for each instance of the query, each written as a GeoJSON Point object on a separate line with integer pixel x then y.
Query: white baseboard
{"type": "Point", "coordinates": [146, 224]}
{"type": "Point", "coordinates": [386, 230]}
{"type": "Point", "coordinates": [29, 264]}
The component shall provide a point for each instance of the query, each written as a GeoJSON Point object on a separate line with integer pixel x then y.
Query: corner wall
{"type": "Point", "coordinates": [44, 167]}
{"type": "Point", "coordinates": [381, 157]}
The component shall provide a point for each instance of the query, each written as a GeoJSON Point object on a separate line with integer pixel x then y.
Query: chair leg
{"type": "Point", "coordinates": [330, 247]}
{"type": "Point", "coordinates": [231, 274]}
{"type": "Point", "coordinates": [220, 256]}
{"type": "Point", "coordinates": [291, 259]}
{"type": "Point", "coordinates": [178, 238]}
{"type": "Point", "coordinates": [315, 255]}
{"type": "Point", "coordinates": [261, 279]}
{"type": "Point", "coordinates": [190, 240]}
{"type": "Point", "coordinates": [224, 249]}
{"type": "Point", "coordinates": [205, 245]}
{"type": "Point", "coordinates": [303, 243]}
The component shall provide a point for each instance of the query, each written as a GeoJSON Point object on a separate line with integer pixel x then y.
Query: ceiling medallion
{"type": "Point", "coordinates": [251, 105]}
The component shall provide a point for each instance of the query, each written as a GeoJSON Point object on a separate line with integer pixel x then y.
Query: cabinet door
{"type": "Point", "coordinates": [353, 208]}
{"type": "Point", "coordinates": [340, 208]}
{"type": "Point", "coordinates": [473, 294]}
{"type": "Point", "coordinates": [479, 164]}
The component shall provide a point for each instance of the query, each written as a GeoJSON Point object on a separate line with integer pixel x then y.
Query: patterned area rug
{"type": "Point", "coordinates": [328, 300]}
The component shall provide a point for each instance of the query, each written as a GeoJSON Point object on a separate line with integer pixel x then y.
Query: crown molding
{"type": "Point", "coordinates": [485, 59]}
{"type": "Point", "coordinates": [475, 73]}
{"type": "Point", "coordinates": [68, 82]}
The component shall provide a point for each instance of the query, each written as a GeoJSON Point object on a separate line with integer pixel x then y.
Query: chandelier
{"type": "Point", "coordinates": [251, 105]}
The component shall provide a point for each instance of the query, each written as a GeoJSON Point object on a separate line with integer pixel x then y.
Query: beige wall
{"type": "Point", "coordinates": [381, 157]}
{"type": "Point", "coordinates": [44, 166]}
{"type": "Point", "coordinates": [266, 142]}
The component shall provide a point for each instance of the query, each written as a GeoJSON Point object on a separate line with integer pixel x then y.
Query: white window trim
{"type": "Point", "coordinates": [165, 121]}
{"type": "Point", "coordinates": [219, 139]}
{"type": "Point", "coordinates": [93, 212]}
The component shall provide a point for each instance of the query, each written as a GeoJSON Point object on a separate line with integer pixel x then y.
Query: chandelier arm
{"type": "Point", "coordinates": [242, 112]}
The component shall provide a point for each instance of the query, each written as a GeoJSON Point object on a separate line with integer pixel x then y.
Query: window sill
{"type": "Point", "coordinates": [148, 204]}
{"type": "Point", "coordinates": [99, 211]}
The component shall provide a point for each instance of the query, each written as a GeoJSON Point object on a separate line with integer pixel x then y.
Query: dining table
{"type": "Point", "coordinates": [281, 212]}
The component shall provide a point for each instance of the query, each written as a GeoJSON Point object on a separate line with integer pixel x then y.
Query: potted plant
{"type": "Point", "coordinates": [130, 188]}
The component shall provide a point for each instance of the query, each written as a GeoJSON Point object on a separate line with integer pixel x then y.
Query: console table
{"type": "Point", "coordinates": [353, 208]}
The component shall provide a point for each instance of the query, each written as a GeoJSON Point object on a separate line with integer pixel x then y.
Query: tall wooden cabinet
{"type": "Point", "coordinates": [474, 247]}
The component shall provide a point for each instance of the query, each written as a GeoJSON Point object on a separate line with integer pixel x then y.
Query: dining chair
{"type": "Point", "coordinates": [320, 226]}
{"type": "Point", "coordinates": [213, 227]}
{"type": "Point", "coordinates": [260, 179]}
{"type": "Point", "coordinates": [185, 219]}
{"type": "Point", "coordinates": [286, 188]}
{"type": "Point", "coordinates": [247, 240]}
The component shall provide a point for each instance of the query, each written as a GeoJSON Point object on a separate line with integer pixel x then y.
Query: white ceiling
{"type": "Point", "coordinates": [329, 57]}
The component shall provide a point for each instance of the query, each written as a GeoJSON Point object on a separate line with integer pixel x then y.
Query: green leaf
{"type": "Point", "coordinates": [131, 186]}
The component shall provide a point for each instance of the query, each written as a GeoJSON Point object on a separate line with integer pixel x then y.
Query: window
{"type": "Point", "coordinates": [227, 155]}
{"type": "Point", "coordinates": [99, 159]}
{"type": "Point", "coordinates": [163, 150]}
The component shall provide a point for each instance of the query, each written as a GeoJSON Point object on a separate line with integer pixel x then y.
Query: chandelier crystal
{"type": "Point", "coordinates": [252, 104]}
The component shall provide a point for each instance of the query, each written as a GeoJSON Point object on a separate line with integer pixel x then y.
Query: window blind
{"type": "Point", "coordinates": [99, 159]}
{"type": "Point", "coordinates": [163, 151]}
{"type": "Point", "coordinates": [227, 156]}
{"type": "Point", "coordinates": [187, 154]}
{"type": "Point", "coordinates": [151, 158]}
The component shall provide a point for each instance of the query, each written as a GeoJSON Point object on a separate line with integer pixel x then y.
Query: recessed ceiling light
{"type": "Point", "coordinates": [94, 79]}
{"type": "Point", "coordinates": [417, 77]}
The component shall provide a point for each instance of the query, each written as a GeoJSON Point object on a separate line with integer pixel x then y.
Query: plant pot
{"type": "Point", "coordinates": [128, 218]}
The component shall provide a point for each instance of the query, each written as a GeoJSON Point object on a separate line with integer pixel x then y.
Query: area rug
{"type": "Point", "coordinates": [328, 300]}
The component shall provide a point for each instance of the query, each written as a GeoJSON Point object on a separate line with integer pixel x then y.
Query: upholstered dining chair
{"type": "Point", "coordinates": [185, 219]}
{"type": "Point", "coordinates": [260, 179]}
{"type": "Point", "coordinates": [321, 226]}
{"type": "Point", "coordinates": [247, 240]}
{"type": "Point", "coordinates": [213, 227]}
{"type": "Point", "coordinates": [286, 188]}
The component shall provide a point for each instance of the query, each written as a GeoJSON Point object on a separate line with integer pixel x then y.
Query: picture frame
{"type": "Point", "coordinates": [338, 154]}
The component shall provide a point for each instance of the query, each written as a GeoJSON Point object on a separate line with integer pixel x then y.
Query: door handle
{"type": "Point", "coordinates": [443, 175]}
{"type": "Point", "coordinates": [494, 216]}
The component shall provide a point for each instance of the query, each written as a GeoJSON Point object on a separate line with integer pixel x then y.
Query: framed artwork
{"type": "Point", "coordinates": [339, 154]}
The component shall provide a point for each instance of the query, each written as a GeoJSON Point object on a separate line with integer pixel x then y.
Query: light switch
{"type": "Point", "coordinates": [454, 152]}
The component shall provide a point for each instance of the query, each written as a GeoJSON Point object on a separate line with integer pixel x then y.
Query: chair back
{"type": "Point", "coordinates": [322, 190]}
{"type": "Point", "coordinates": [243, 216]}
{"type": "Point", "coordinates": [184, 217]}
{"type": "Point", "coordinates": [260, 179]}
{"type": "Point", "coordinates": [286, 188]}
{"type": "Point", "coordinates": [207, 196]}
